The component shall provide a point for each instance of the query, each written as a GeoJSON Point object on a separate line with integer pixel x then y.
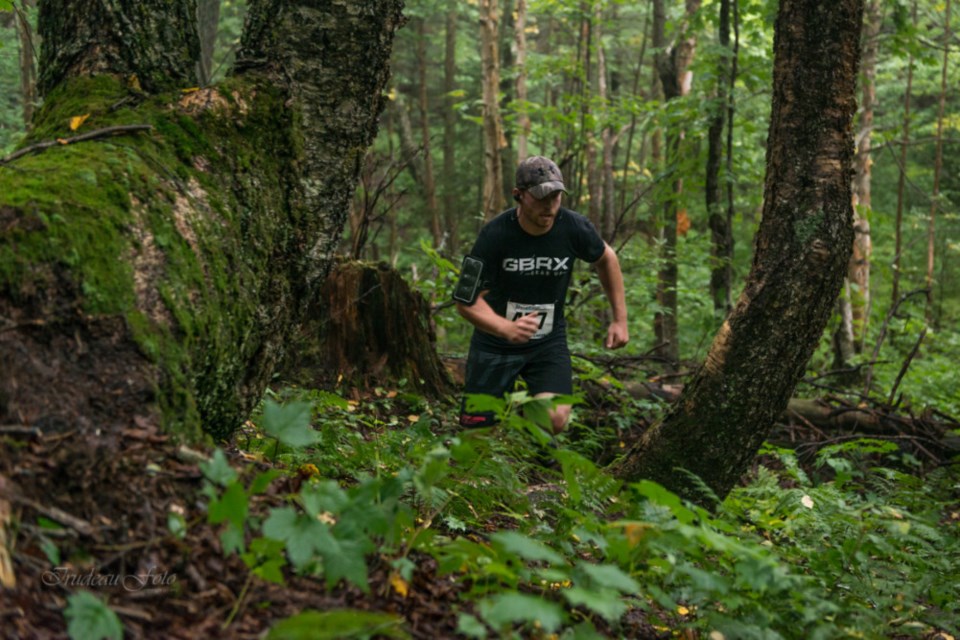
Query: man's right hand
{"type": "Point", "coordinates": [522, 329]}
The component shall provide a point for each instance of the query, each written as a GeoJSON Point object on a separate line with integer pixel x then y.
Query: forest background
{"type": "Point", "coordinates": [578, 82]}
{"type": "Point", "coordinates": [672, 175]}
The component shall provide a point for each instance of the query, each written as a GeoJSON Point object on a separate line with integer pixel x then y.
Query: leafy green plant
{"type": "Point", "coordinates": [795, 552]}
{"type": "Point", "coordinates": [338, 624]}
{"type": "Point", "coordinates": [89, 618]}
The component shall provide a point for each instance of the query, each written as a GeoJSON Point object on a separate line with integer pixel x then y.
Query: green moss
{"type": "Point", "coordinates": [84, 210]}
{"type": "Point", "coordinates": [78, 212]}
{"type": "Point", "coordinates": [807, 226]}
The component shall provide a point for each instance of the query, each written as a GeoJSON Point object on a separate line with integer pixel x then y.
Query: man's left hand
{"type": "Point", "coordinates": [617, 335]}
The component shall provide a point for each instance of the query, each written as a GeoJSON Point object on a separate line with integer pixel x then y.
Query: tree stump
{"type": "Point", "coordinates": [368, 328]}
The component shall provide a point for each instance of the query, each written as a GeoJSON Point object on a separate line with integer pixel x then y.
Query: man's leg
{"type": "Point", "coordinates": [488, 373]}
{"type": "Point", "coordinates": [549, 373]}
{"type": "Point", "coordinates": [559, 415]}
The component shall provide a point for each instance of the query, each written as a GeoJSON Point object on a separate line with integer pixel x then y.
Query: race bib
{"type": "Point", "coordinates": [545, 312]}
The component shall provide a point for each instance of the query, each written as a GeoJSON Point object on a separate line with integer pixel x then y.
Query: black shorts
{"type": "Point", "coordinates": [545, 369]}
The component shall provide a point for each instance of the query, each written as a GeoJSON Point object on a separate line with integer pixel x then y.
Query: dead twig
{"type": "Point", "coordinates": [105, 132]}
{"type": "Point", "coordinates": [883, 334]}
{"type": "Point", "coordinates": [906, 365]}
{"type": "Point", "coordinates": [19, 430]}
{"type": "Point", "coordinates": [54, 513]}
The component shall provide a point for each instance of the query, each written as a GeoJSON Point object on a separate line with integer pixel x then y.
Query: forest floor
{"type": "Point", "coordinates": [83, 513]}
{"type": "Point", "coordinates": [105, 510]}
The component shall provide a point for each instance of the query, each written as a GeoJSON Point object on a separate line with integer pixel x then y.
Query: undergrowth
{"type": "Point", "coordinates": [543, 543]}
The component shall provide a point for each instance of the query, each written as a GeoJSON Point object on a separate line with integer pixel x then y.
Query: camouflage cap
{"type": "Point", "coordinates": [540, 176]}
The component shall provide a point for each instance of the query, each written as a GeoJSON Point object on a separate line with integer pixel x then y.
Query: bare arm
{"type": "Point", "coordinates": [611, 278]}
{"type": "Point", "coordinates": [481, 315]}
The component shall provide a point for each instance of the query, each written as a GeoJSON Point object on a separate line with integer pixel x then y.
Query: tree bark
{"type": "Point", "coordinates": [802, 248]}
{"type": "Point", "coordinates": [429, 183]}
{"type": "Point", "coordinates": [157, 277]}
{"type": "Point", "coordinates": [902, 173]}
{"type": "Point", "coordinates": [520, 44]}
{"type": "Point", "coordinates": [675, 78]}
{"type": "Point", "coordinates": [369, 328]}
{"type": "Point", "coordinates": [937, 168]}
{"type": "Point", "coordinates": [721, 234]}
{"type": "Point", "coordinates": [858, 273]}
{"type": "Point", "coordinates": [493, 138]}
{"type": "Point", "coordinates": [153, 43]}
{"type": "Point", "coordinates": [450, 191]}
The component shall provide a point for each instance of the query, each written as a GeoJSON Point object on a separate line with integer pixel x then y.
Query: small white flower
{"type": "Point", "coordinates": [807, 501]}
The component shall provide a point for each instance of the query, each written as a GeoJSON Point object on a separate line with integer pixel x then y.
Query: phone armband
{"type": "Point", "coordinates": [471, 272]}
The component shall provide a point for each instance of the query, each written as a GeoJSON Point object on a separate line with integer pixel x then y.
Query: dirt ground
{"type": "Point", "coordinates": [105, 507]}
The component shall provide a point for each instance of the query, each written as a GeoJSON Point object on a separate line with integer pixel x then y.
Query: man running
{"type": "Point", "coordinates": [513, 286]}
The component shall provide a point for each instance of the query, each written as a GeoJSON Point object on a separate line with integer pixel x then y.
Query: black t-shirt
{"type": "Point", "coordinates": [530, 274]}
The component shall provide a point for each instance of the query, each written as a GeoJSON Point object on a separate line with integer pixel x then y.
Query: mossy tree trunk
{"type": "Point", "coordinates": [156, 277]}
{"type": "Point", "coordinates": [802, 249]}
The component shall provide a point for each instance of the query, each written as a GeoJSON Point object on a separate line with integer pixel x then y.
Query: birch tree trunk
{"type": "Point", "coordinates": [493, 138]}
{"type": "Point", "coordinates": [152, 273]}
{"type": "Point", "coordinates": [675, 78]}
{"type": "Point", "coordinates": [608, 216]}
{"type": "Point", "coordinates": [450, 213]}
{"type": "Point", "coordinates": [902, 177]}
{"type": "Point", "coordinates": [802, 249]}
{"type": "Point", "coordinates": [859, 271]}
{"type": "Point", "coordinates": [520, 45]}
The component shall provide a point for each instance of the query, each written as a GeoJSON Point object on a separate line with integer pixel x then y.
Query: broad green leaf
{"type": "Point", "coordinates": [262, 481]}
{"type": "Point", "coordinates": [231, 539]}
{"type": "Point", "coordinates": [323, 497]}
{"type": "Point", "coordinates": [326, 399]}
{"type": "Point", "coordinates": [218, 470]}
{"type": "Point", "coordinates": [339, 624]}
{"type": "Point", "coordinates": [661, 496]}
{"type": "Point", "coordinates": [477, 403]}
{"type": "Point", "coordinates": [89, 618]}
{"type": "Point", "coordinates": [605, 602]}
{"type": "Point", "coordinates": [265, 559]}
{"type": "Point", "coordinates": [435, 466]}
{"type": "Point", "coordinates": [538, 411]}
{"type": "Point", "coordinates": [289, 423]}
{"type": "Point", "coordinates": [345, 559]}
{"type": "Point", "coordinates": [300, 533]}
{"type": "Point", "coordinates": [271, 571]}
{"type": "Point", "coordinates": [610, 576]}
{"type": "Point", "coordinates": [526, 547]}
{"type": "Point", "coordinates": [231, 506]}
{"type": "Point", "coordinates": [505, 609]}
{"type": "Point", "coordinates": [470, 626]}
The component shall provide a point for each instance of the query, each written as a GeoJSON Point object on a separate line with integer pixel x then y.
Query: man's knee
{"type": "Point", "coordinates": [559, 417]}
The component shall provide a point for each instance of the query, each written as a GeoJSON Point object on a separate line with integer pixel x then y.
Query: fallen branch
{"type": "Point", "coordinates": [105, 132]}
{"type": "Point", "coordinates": [823, 416]}
{"type": "Point", "coordinates": [59, 515]}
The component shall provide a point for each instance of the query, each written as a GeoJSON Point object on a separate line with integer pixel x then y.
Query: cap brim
{"type": "Point", "coordinates": [544, 189]}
